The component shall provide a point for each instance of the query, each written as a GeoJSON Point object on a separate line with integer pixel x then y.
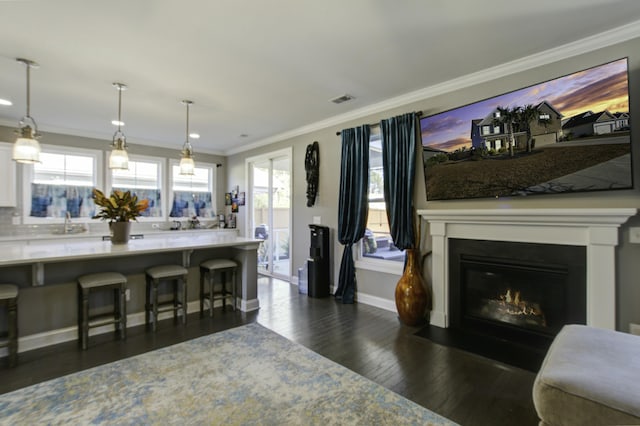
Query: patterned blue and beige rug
{"type": "Point", "coordinates": [246, 375]}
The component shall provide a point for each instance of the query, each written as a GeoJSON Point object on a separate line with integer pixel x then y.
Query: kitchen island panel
{"type": "Point", "coordinates": [48, 312]}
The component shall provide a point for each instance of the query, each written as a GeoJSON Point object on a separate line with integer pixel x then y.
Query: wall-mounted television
{"type": "Point", "coordinates": [569, 134]}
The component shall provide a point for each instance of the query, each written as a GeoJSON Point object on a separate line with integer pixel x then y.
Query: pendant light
{"type": "Point", "coordinates": [187, 166]}
{"type": "Point", "coordinates": [118, 159]}
{"type": "Point", "coordinates": [26, 148]}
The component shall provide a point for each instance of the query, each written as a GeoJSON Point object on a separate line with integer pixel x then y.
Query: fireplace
{"type": "Point", "coordinates": [594, 229]}
{"type": "Point", "coordinates": [594, 232]}
{"type": "Point", "coordinates": [516, 292]}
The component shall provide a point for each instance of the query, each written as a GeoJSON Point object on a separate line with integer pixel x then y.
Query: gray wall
{"type": "Point", "coordinates": [7, 135]}
{"type": "Point", "coordinates": [383, 285]}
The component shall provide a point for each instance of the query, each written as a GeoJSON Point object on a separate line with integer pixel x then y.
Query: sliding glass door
{"type": "Point", "coordinates": [270, 211]}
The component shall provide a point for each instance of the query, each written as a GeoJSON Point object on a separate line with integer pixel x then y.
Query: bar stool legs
{"type": "Point", "coordinates": [13, 332]}
{"type": "Point", "coordinates": [9, 298]}
{"type": "Point", "coordinates": [105, 281]}
{"type": "Point", "coordinates": [153, 307]}
{"type": "Point", "coordinates": [208, 270]}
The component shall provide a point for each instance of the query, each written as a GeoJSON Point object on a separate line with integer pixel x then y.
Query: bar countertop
{"type": "Point", "coordinates": [20, 253]}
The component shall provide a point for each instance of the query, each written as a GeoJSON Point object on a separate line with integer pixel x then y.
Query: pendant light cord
{"type": "Point", "coordinates": [118, 135]}
{"type": "Point", "coordinates": [187, 135]}
{"type": "Point", "coordinates": [119, 106]}
{"type": "Point", "coordinates": [27, 120]}
{"type": "Point", "coordinates": [186, 147]}
{"type": "Point", "coordinates": [28, 90]}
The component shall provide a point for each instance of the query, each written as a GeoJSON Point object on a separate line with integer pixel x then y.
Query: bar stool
{"type": "Point", "coordinates": [9, 299]}
{"type": "Point", "coordinates": [208, 269]}
{"type": "Point", "coordinates": [153, 307]}
{"type": "Point", "coordinates": [101, 282]}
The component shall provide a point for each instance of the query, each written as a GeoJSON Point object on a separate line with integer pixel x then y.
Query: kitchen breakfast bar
{"type": "Point", "coordinates": [46, 270]}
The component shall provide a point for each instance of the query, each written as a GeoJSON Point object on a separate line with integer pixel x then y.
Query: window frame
{"type": "Point", "coordinates": [213, 167]}
{"type": "Point", "coordinates": [28, 175]}
{"type": "Point", "coordinates": [370, 263]}
{"type": "Point", "coordinates": [164, 193]}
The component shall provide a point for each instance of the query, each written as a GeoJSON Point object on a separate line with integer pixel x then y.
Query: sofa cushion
{"type": "Point", "coordinates": [589, 376]}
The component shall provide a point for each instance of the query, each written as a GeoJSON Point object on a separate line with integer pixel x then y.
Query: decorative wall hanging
{"type": "Point", "coordinates": [312, 166]}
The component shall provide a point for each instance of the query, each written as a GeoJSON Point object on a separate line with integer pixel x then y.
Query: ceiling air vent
{"type": "Point", "coordinates": [341, 99]}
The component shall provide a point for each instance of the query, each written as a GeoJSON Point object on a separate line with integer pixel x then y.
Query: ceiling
{"type": "Point", "coordinates": [258, 71]}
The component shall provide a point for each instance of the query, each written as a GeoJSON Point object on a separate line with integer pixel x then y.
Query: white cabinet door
{"type": "Point", "coordinates": [7, 176]}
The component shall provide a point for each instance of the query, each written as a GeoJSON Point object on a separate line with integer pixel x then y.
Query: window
{"type": "Point", "coordinates": [61, 184]}
{"type": "Point", "coordinates": [193, 195]}
{"type": "Point", "coordinates": [376, 249]}
{"type": "Point", "coordinates": [143, 179]}
{"type": "Point", "coordinates": [486, 130]}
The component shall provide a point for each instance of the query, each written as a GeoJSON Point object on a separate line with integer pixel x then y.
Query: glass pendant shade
{"type": "Point", "coordinates": [26, 148]}
{"type": "Point", "coordinates": [187, 165]}
{"type": "Point", "coordinates": [119, 159]}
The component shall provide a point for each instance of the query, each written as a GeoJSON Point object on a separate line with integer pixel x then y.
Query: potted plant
{"type": "Point", "coordinates": [119, 209]}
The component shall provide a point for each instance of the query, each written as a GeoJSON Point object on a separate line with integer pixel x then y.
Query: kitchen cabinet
{"type": "Point", "coordinates": [7, 176]}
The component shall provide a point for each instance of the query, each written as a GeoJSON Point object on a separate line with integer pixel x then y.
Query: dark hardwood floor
{"type": "Point", "coordinates": [466, 388]}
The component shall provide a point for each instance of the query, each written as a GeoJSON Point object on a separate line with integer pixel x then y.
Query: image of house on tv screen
{"type": "Point", "coordinates": [570, 134]}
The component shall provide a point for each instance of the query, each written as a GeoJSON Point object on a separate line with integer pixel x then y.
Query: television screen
{"type": "Point", "coordinates": [569, 134]}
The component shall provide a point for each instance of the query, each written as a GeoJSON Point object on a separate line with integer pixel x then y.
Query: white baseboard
{"type": "Point", "coordinates": [249, 305]}
{"type": "Point", "coordinates": [378, 302]}
{"type": "Point", "coordinates": [66, 334]}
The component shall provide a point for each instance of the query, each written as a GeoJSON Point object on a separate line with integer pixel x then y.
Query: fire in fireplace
{"type": "Point", "coordinates": [509, 307]}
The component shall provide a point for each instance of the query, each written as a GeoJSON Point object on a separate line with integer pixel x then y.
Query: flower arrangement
{"type": "Point", "coordinates": [121, 206]}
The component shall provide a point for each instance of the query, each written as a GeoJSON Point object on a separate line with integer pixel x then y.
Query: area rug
{"type": "Point", "coordinates": [246, 375]}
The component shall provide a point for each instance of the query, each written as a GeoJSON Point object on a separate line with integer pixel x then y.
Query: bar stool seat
{"type": "Point", "coordinates": [103, 281]}
{"type": "Point", "coordinates": [9, 299]}
{"type": "Point", "coordinates": [153, 276]}
{"type": "Point", "coordinates": [208, 269]}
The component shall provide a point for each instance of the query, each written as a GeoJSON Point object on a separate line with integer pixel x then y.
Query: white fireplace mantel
{"type": "Point", "coordinates": [597, 229]}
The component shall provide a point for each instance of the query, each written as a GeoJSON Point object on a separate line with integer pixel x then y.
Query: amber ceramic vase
{"type": "Point", "coordinates": [412, 297]}
{"type": "Point", "coordinates": [120, 232]}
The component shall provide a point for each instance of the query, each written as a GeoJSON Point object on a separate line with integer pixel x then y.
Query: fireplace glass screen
{"type": "Point", "coordinates": [527, 297]}
{"type": "Point", "coordinates": [519, 292]}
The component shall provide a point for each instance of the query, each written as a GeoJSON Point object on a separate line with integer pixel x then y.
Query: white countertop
{"type": "Point", "coordinates": [39, 251]}
{"type": "Point", "coordinates": [98, 235]}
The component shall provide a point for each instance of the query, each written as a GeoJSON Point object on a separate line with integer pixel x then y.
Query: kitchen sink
{"type": "Point", "coordinates": [70, 230]}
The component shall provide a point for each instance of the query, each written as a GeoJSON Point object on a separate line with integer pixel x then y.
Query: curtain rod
{"type": "Point", "coordinates": [418, 113]}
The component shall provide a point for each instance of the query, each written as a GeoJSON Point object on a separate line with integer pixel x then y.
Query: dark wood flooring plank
{"type": "Point", "coordinates": [467, 388]}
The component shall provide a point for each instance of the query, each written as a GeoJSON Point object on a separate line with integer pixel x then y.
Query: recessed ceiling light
{"type": "Point", "coordinates": [5, 102]}
{"type": "Point", "coordinates": [194, 135]}
{"type": "Point", "coordinates": [244, 135]}
{"type": "Point", "coordinates": [117, 123]}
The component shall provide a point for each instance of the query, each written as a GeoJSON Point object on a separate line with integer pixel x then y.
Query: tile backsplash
{"type": "Point", "coordinates": [8, 229]}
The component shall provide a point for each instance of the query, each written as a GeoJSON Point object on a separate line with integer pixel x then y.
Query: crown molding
{"type": "Point", "coordinates": [585, 45]}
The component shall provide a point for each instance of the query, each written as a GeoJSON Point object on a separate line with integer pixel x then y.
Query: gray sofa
{"type": "Point", "coordinates": [590, 376]}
